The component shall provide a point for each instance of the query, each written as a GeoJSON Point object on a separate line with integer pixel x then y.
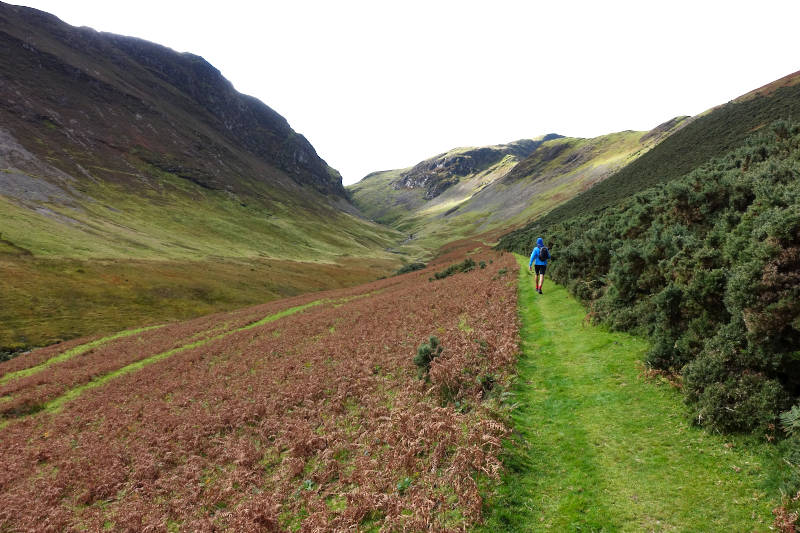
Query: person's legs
{"type": "Point", "coordinates": [540, 270]}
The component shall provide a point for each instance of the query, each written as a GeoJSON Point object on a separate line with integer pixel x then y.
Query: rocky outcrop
{"type": "Point", "coordinates": [437, 174]}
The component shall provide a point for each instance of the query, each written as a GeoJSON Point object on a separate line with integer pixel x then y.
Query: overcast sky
{"type": "Point", "coordinates": [376, 85]}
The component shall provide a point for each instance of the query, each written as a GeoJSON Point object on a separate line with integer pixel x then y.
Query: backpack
{"type": "Point", "coordinates": [544, 253]}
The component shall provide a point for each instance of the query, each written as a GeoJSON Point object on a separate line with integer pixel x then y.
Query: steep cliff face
{"type": "Point", "coordinates": [91, 97]}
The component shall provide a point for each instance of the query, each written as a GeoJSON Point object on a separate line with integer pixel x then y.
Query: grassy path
{"type": "Point", "coordinates": [597, 448]}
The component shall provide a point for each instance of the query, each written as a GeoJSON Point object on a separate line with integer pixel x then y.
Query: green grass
{"type": "Point", "coordinates": [597, 448]}
{"type": "Point", "coordinates": [177, 221]}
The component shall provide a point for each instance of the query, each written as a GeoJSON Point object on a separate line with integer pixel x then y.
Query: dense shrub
{"type": "Point", "coordinates": [411, 267]}
{"type": "Point", "coordinates": [708, 266]}
{"type": "Point", "coordinates": [465, 266]}
{"type": "Point", "coordinates": [426, 353]}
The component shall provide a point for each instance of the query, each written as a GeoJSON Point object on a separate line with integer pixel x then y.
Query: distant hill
{"type": "Point", "coordinates": [468, 191]}
{"type": "Point", "coordinates": [117, 149]}
{"type": "Point", "coordinates": [388, 196]}
{"type": "Point", "coordinates": [710, 134]}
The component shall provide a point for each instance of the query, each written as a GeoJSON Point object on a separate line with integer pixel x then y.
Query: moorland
{"type": "Point", "coordinates": [203, 329]}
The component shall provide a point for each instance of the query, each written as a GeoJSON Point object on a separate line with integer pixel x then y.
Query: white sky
{"type": "Point", "coordinates": [376, 85]}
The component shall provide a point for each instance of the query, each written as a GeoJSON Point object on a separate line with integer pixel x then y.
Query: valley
{"type": "Point", "coordinates": [136, 185]}
{"type": "Point", "coordinates": [202, 328]}
{"type": "Point", "coordinates": [470, 191]}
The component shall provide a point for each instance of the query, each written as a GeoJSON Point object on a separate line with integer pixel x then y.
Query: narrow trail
{"type": "Point", "coordinates": [597, 447]}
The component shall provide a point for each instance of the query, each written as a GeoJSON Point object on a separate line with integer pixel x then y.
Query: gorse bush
{"type": "Point", "coordinates": [411, 267]}
{"type": "Point", "coordinates": [465, 266]}
{"type": "Point", "coordinates": [426, 353]}
{"type": "Point", "coordinates": [708, 266]}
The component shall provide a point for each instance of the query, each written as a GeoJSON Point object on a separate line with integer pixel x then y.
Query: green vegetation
{"type": "Point", "coordinates": [464, 266]}
{"type": "Point", "coordinates": [508, 191]}
{"type": "Point", "coordinates": [707, 136]}
{"type": "Point", "coordinates": [708, 266]}
{"type": "Point", "coordinates": [176, 220]}
{"type": "Point", "coordinates": [598, 448]}
{"type": "Point", "coordinates": [411, 267]}
{"type": "Point", "coordinates": [426, 353]}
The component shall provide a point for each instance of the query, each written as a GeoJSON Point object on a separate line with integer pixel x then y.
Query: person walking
{"type": "Point", "coordinates": [539, 258]}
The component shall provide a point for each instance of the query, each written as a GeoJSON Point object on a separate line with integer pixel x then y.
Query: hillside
{"type": "Point", "coordinates": [278, 417]}
{"type": "Point", "coordinates": [710, 134]}
{"type": "Point", "coordinates": [271, 418]}
{"type": "Point", "coordinates": [704, 263]}
{"type": "Point", "coordinates": [388, 196]}
{"type": "Point", "coordinates": [137, 184]}
{"type": "Point", "coordinates": [443, 198]}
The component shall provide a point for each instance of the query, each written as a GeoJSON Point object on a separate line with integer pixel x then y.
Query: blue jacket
{"type": "Point", "coordinates": [535, 254]}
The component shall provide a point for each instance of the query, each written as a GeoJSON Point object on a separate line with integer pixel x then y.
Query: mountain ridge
{"type": "Point", "coordinates": [442, 171]}
{"type": "Point", "coordinates": [122, 69]}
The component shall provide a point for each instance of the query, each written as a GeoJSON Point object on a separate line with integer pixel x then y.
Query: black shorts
{"type": "Point", "coordinates": [539, 269]}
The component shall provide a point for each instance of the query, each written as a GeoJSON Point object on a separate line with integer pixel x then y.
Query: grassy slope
{"type": "Point", "coordinates": [506, 194]}
{"type": "Point", "coordinates": [406, 208]}
{"type": "Point", "coordinates": [175, 219]}
{"type": "Point", "coordinates": [173, 250]}
{"type": "Point", "coordinates": [303, 349]}
{"type": "Point", "coordinates": [708, 135]}
{"type": "Point", "coordinates": [46, 300]}
{"type": "Point", "coordinates": [169, 256]}
{"type": "Point", "coordinates": [599, 449]}
{"type": "Point", "coordinates": [380, 202]}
